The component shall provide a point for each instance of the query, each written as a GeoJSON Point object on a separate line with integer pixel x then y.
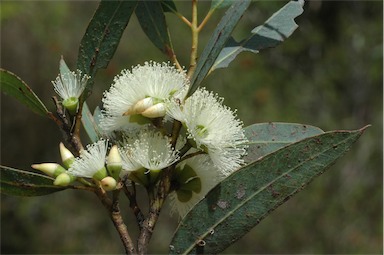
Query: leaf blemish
{"type": "Point", "coordinates": [222, 204]}
{"type": "Point", "coordinates": [240, 192]}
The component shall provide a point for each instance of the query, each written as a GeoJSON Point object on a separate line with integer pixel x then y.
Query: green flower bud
{"type": "Point", "coordinates": [108, 183]}
{"type": "Point", "coordinates": [114, 162]}
{"type": "Point", "coordinates": [64, 179]}
{"type": "Point", "coordinates": [66, 156]}
{"type": "Point", "coordinates": [51, 169]}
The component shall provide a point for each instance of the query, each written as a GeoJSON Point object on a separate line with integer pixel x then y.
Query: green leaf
{"type": "Point", "coordinates": [265, 138]}
{"type": "Point", "coordinates": [152, 20]}
{"type": "Point", "coordinates": [168, 6]}
{"type": "Point", "coordinates": [217, 42]}
{"type": "Point", "coordinates": [215, 4]}
{"type": "Point", "coordinates": [12, 85]}
{"type": "Point", "coordinates": [247, 196]}
{"type": "Point", "coordinates": [22, 183]}
{"type": "Point", "coordinates": [273, 32]}
{"type": "Point", "coordinates": [90, 125]}
{"type": "Point", "coordinates": [103, 35]}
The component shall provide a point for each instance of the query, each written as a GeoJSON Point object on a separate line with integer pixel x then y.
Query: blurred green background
{"type": "Point", "coordinates": [329, 74]}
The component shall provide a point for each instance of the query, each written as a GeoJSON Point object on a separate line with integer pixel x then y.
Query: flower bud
{"type": "Point", "coordinates": [64, 179]}
{"type": "Point", "coordinates": [143, 105]}
{"type": "Point", "coordinates": [158, 110]}
{"type": "Point", "coordinates": [51, 169]}
{"type": "Point", "coordinates": [114, 162]}
{"type": "Point", "coordinates": [66, 156]}
{"type": "Point", "coordinates": [100, 174]}
{"type": "Point", "coordinates": [108, 183]}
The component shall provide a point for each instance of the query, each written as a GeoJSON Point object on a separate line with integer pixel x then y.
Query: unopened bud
{"type": "Point", "coordinates": [64, 179]}
{"type": "Point", "coordinates": [143, 105]}
{"type": "Point", "coordinates": [108, 183]}
{"type": "Point", "coordinates": [51, 169]}
{"type": "Point", "coordinates": [66, 156]}
{"type": "Point", "coordinates": [158, 110]}
{"type": "Point", "coordinates": [114, 162]}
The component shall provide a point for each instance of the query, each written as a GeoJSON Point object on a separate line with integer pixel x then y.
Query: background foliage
{"type": "Point", "coordinates": [328, 74]}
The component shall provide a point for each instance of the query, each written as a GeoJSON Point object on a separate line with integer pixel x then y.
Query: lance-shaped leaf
{"type": "Point", "coordinates": [168, 6]}
{"type": "Point", "coordinates": [103, 35]}
{"type": "Point", "coordinates": [12, 85]}
{"type": "Point", "coordinates": [217, 42]}
{"type": "Point", "coordinates": [265, 138]}
{"type": "Point", "coordinates": [247, 196]}
{"type": "Point", "coordinates": [217, 4]}
{"type": "Point", "coordinates": [273, 32]}
{"type": "Point", "coordinates": [152, 20]}
{"type": "Point", "coordinates": [90, 125]}
{"type": "Point", "coordinates": [22, 183]}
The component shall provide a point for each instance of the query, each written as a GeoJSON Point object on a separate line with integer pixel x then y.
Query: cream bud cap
{"type": "Point", "coordinates": [114, 162]}
{"type": "Point", "coordinates": [66, 156]}
{"type": "Point", "coordinates": [108, 183]}
{"type": "Point", "coordinates": [51, 169]}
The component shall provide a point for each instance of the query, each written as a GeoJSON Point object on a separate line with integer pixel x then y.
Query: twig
{"type": "Point", "coordinates": [115, 215]}
{"type": "Point", "coordinates": [195, 40]}
{"type": "Point", "coordinates": [65, 128]}
{"type": "Point", "coordinates": [133, 203]}
{"type": "Point", "coordinates": [192, 155]}
{"type": "Point", "coordinates": [157, 196]}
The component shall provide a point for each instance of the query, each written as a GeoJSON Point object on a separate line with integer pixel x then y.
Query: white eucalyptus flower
{"type": "Point", "coordinates": [151, 150]}
{"type": "Point", "coordinates": [143, 90]}
{"type": "Point", "coordinates": [213, 127]}
{"type": "Point", "coordinates": [192, 180]}
{"type": "Point", "coordinates": [69, 86]}
{"type": "Point", "coordinates": [91, 163]}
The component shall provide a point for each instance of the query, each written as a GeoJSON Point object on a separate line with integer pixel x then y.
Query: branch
{"type": "Point", "coordinates": [195, 39]}
{"type": "Point", "coordinates": [133, 203]}
{"type": "Point", "coordinates": [115, 215]}
{"type": "Point", "coordinates": [66, 128]}
{"type": "Point", "coordinates": [157, 195]}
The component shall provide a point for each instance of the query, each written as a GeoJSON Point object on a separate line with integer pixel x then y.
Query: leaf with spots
{"type": "Point", "coordinates": [265, 138]}
{"type": "Point", "coordinates": [250, 194]}
{"type": "Point", "coordinates": [13, 86]}
{"type": "Point", "coordinates": [23, 183]}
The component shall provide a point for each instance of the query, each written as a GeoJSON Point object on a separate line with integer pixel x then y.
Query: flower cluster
{"type": "Point", "coordinates": [136, 118]}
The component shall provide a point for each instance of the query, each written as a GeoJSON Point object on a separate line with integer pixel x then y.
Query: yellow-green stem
{"type": "Point", "coordinates": [205, 20]}
{"type": "Point", "coordinates": [195, 40]}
